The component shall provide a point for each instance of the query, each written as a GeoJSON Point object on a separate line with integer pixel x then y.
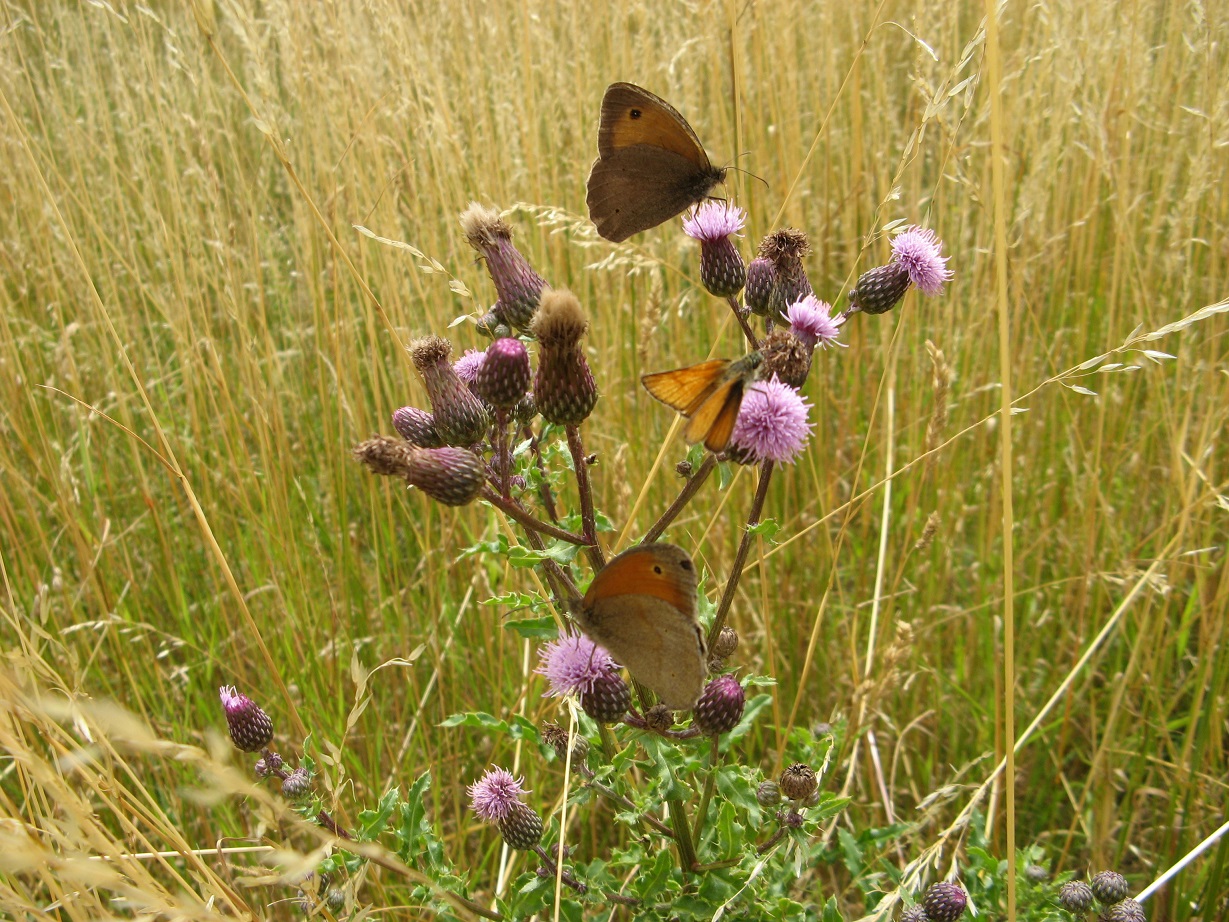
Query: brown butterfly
{"type": "Point", "coordinates": [642, 608]}
{"type": "Point", "coordinates": [650, 164]}
{"type": "Point", "coordinates": [709, 395]}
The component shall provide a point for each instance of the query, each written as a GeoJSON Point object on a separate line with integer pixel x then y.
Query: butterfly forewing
{"type": "Point", "coordinates": [686, 389]}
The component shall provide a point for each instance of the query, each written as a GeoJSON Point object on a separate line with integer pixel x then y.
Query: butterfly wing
{"type": "Point", "coordinates": [650, 164]}
{"type": "Point", "coordinates": [642, 608]}
{"type": "Point", "coordinates": [631, 115]}
{"type": "Point", "coordinates": [714, 422]}
{"type": "Point", "coordinates": [686, 389]}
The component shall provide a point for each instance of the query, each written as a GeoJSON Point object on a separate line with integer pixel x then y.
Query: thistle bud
{"type": "Point", "coordinates": [519, 286]}
{"type": "Point", "coordinates": [460, 418]}
{"type": "Point", "coordinates": [761, 295]}
{"type": "Point", "coordinates": [297, 784]}
{"type": "Point", "coordinates": [1109, 887]}
{"type": "Point", "coordinates": [493, 325]}
{"type": "Point", "coordinates": [608, 698]}
{"type": "Point", "coordinates": [915, 914]}
{"type": "Point", "coordinates": [1075, 896]}
{"type": "Point", "coordinates": [1126, 910]}
{"type": "Point", "coordinates": [250, 728]}
{"type": "Point", "coordinates": [720, 707]}
{"type": "Point", "coordinates": [879, 289]}
{"type": "Point", "coordinates": [945, 901]}
{"type": "Point", "coordinates": [521, 827]}
{"type": "Point", "coordinates": [768, 794]}
{"type": "Point", "coordinates": [452, 476]}
{"type": "Point", "coordinates": [504, 376]}
{"type": "Point", "coordinates": [564, 389]}
{"type": "Point", "coordinates": [659, 718]}
{"type": "Point", "coordinates": [726, 642]}
{"type": "Point", "coordinates": [417, 427]}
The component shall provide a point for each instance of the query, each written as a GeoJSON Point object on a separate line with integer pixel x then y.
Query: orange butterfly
{"type": "Point", "coordinates": [709, 395]}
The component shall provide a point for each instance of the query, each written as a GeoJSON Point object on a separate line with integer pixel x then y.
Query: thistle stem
{"type": "Point", "coordinates": [740, 559]}
{"type": "Point", "coordinates": [710, 783]}
{"type": "Point", "coordinates": [588, 517]}
{"type": "Point", "coordinates": [515, 511]}
{"type": "Point", "coordinates": [690, 488]}
{"type": "Point", "coordinates": [742, 321]}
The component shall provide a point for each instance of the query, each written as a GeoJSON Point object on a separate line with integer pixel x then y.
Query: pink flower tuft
{"type": "Point", "coordinates": [918, 250]}
{"type": "Point", "coordinates": [772, 422]}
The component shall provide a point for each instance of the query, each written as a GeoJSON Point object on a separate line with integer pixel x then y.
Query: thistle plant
{"type": "Point", "coordinates": [500, 422]}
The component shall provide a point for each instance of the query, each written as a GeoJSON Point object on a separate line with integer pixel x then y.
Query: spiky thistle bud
{"type": "Point", "coordinates": [460, 417]}
{"type": "Point", "coordinates": [785, 249]}
{"type": "Point", "coordinates": [1127, 910]}
{"type": "Point", "coordinates": [1109, 887]}
{"type": "Point", "coordinates": [564, 389]}
{"type": "Point", "coordinates": [768, 794]}
{"type": "Point", "coordinates": [1036, 874]}
{"type": "Point", "coordinates": [720, 707]}
{"type": "Point", "coordinates": [492, 324]}
{"type": "Point", "coordinates": [722, 269]}
{"type": "Point", "coordinates": [452, 476]}
{"type": "Point", "coordinates": [250, 728]}
{"type": "Point", "coordinates": [761, 295]}
{"type": "Point", "coordinates": [504, 376]}
{"type": "Point", "coordinates": [417, 427]}
{"type": "Point", "coordinates": [519, 286]}
{"type": "Point", "coordinates": [798, 781]}
{"type": "Point", "coordinates": [526, 409]}
{"type": "Point", "coordinates": [726, 642]}
{"type": "Point", "coordinates": [915, 914]}
{"type": "Point", "coordinates": [521, 827]}
{"type": "Point", "coordinates": [297, 784]}
{"type": "Point", "coordinates": [608, 698]}
{"type": "Point", "coordinates": [945, 901]}
{"type": "Point", "coordinates": [1075, 896]}
{"type": "Point", "coordinates": [879, 289]}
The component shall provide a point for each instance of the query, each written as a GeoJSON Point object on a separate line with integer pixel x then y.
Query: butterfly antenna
{"type": "Point", "coordinates": [739, 169]}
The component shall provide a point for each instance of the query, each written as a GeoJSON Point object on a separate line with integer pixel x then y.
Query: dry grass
{"type": "Point", "coordinates": [162, 267]}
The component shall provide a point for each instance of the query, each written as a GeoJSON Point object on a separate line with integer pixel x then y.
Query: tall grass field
{"type": "Point", "coordinates": [221, 223]}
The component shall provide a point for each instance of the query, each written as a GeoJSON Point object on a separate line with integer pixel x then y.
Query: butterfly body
{"type": "Point", "coordinates": [709, 395]}
{"type": "Point", "coordinates": [642, 608]}
{"type": "Point", "coordinates": [650, 164]}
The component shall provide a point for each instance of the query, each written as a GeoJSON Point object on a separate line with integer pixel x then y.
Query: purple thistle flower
{"type": "Point", "coordinates": [572, 664]}
{"type": "Point", "coordinates": [811, 320]}
{"type": "Point", "coordinates": [495, 795]}
{"type": "Point", "coordinates": [918, 249]}
{"type": "Point", "coordinates": [250, 727]}
{"type": "Point", "coordinates": [772, 422]}
{"type": "Point", "coordinates": [722, 269]}
{"type": "Point", "coordinates": [713, 220]}
{"type": "Point", "coordinates": [467, 366]}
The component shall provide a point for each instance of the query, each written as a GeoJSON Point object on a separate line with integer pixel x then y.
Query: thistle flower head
{"type": "Point", "coordinates": [505, 375]}
{"type": "Point", "coordinates": [811, 320]}
{"type": "Point", "coordinates": [798, 781]}
{"type": "Point", "coordinates": [761, 295]}
{"type": "Point", "coordinates": [919, 250]}
{"type": "Point", "coordinates": [945, 901]}
{"type": "Point", "coordinates": [493, 795]}
{"type": "Point", "coordinates": [467, 366]}
{"type": "Point", "coordinates": [720, 706]}
{"type": "Point", "coordinates": [417, 427]}
{"type": "Point", "coordinates": [460, 418]}
{"type": "Point", "coordinates": [250, 728]}
{"type": "Point", "coordinates": [564, 389]}
{"type": "Point", "coordinates": [572, 663]}
{"type": "Point", "coordinates": [519, 286]}
{"type": "Point", "coordinates": [772, 422]}
{"type": "Point", "coordinates": [722, 269]}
